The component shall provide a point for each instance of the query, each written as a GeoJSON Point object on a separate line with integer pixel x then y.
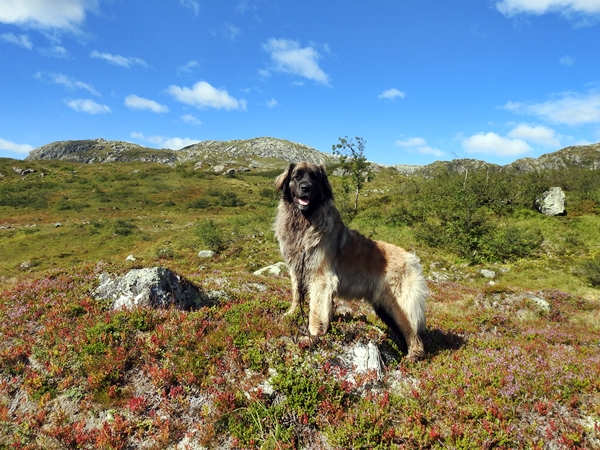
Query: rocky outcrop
{"type": "Point", "coordinates": [551, 202]}
{"type": "Point", "coordinates": [257, 153]}
{"type": "Point", "coordinates": [578, 156]}
{"type": "Point", "coordinates": [262, 148]}
{"type": "Point", "coordinates": [155, 287]}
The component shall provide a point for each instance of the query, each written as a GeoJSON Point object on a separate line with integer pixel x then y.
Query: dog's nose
{"type": "Point", "coordinates": [305, 188]}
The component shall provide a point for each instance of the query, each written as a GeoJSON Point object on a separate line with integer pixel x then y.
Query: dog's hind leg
{"type": "Point", "coordinates": [394, 317]}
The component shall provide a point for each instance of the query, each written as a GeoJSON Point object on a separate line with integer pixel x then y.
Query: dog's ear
{"type": "Point", "coordinates": [282, 182]}
{"type": "Point", "coordinates": [325, 186]}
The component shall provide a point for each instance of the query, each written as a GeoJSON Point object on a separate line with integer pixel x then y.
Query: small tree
{"type": "Point", "coordinates": [354, 162]}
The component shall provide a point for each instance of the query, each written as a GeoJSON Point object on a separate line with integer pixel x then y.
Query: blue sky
{"type": "Point", "coordinates": [420, 81]}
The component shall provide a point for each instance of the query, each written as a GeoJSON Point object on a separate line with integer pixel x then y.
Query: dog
{"type": "Point", "coordinates": [326, 259]}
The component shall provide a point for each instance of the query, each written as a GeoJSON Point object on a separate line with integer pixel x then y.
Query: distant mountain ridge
{"type": "Point", "coordinates": [258, 152]}
{"type": "Point", "coordinates": [268, 152]}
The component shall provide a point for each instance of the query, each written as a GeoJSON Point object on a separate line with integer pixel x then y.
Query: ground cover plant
{"type": "Point", "coordinates": [511, 364]}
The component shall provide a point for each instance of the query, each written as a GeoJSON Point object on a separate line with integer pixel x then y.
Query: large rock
{"type": "Point", "coordinates": [551, 202]}
{"type": "Point", "coordinates": [275, 269]}
{"type": "Point", "coordinates": [155, 287]}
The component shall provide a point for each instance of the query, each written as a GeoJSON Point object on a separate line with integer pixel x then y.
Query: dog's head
{"type": "Point", "coordinates": [305, 185]}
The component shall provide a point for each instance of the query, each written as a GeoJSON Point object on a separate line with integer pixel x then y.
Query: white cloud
{"type": "Point", "coordinates": [12, 147]}
{"type": "Point", "coordinates": [288, 57]}
{"type": "Point", "coordinates": [69, 83]}
{"type": "Point", "coordinates": [191, 119]}
{"type": "Point", "coordinates": [119, 60]}
{"type": "Point", "coordinates": [191, 4]}
{"type": "Point", "coordinates": [493, 144]}
{"type": "Point", "coordinates": [411, 142]}
{"type": "Point", "coordinates": [567, 60]}
{"type": "Point", "coordinates": [87, 106]}
{"type": "Point", "coordinates": [187, 68]}
{"type": "Point", "coordinates": [203, 95]}
{"type": "Point", "coordinates": [568, 8]}
{"type": "Point", "coordinates": [419, 145]}
{"type": "Point", "coordinates": [538, 134]}
{"type": "Point", "coordinates": [569, 108]}
{"type": "Point", "coordinates": [391, 94]}
{"type": "Point", "coordinates": [231, 32]}
{"type": "Point", "coordinates": [134, 102]}
{"type": "Point", "coordinates": [45, 14]}
{"type": "Point", "coordinates": [22, 40]}
{"type": "Point", "coordinates": [56, 51]}
{"type": "Point", "coordinates": [174, 143]}
{"type": "Point", "coordinates": [271, 103]}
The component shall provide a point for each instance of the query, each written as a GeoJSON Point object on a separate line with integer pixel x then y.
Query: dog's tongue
{"type": "Point", "coordinates": [303, 201]}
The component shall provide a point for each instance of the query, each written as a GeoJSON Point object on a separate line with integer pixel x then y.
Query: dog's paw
{"type": "Point", "coordinates": [307, 341]}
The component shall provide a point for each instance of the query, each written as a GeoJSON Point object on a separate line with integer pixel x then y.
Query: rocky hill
{"type": "Point", "coordinates": [268, 153]}
{"type": "Point", "coordinates": [264, 152]}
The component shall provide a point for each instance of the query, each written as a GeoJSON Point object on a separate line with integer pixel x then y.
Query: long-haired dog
{"type": "Point", "coordinates": [327, 259]}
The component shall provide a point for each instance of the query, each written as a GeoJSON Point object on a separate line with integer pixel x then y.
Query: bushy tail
{"type": "Point", "coordinates": [414, 293]}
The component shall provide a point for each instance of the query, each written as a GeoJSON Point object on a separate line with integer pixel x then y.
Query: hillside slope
{"type": "Point", "coordinates": [264, 152]}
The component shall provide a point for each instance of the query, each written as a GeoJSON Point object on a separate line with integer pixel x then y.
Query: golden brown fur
{"type": "Point", "coordinates": [327, 259]}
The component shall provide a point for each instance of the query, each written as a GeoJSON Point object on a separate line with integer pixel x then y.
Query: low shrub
{"type": "Point", "coordinates": [210, 235]}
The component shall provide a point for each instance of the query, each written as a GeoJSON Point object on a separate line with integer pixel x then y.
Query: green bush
{"type": "Point", "coordinates": [123, 227]}
{"type": "Point", "coordinates": [199, 203]}
{"type": "Point", "coordinates": [210, 235]}
{"type": "Point", "coordinates": [591, 270]}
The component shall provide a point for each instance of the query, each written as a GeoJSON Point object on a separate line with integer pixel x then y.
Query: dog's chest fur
{"type": "Point", "coordinates": [304, 239]}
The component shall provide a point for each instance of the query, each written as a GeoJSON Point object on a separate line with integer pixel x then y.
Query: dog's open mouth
{"type": "Point", "coordinates": [302, 202]}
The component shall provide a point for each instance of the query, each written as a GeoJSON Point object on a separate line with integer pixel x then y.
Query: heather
{"type": "Point", "coordinates": [513, 361]}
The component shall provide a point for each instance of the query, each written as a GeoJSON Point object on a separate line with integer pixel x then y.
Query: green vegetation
{"type": "Point", "coordinates": [354, 162]}
{"type": "Point", "coordinates": [502, 370]}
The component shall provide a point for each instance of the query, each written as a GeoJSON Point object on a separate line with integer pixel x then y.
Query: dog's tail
{"type": "Point", "coordinates": [414, 293]}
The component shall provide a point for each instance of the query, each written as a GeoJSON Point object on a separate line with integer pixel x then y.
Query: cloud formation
{"type": "Point", "coordinates": [191, 4]}
{"type": "Point", "coordinates": [568, 108]}
{"type": "Point", "coordinates": [87, 106]}
{"type": "Point", "coordinates": [391, 94]}
{"type": "Point", "coordinates": [45, 14]}
{"type": "Point", "coordinates": [494, 144]}
{"type": "Point", "coordinates": [12, 147]}
{"type": "Point", "coordinates": [22, 40]}
{"type": "Point", "coordinates": [187, 68]}
{"type": "Point", "coordinates": [191, 119]}
{"type": "Point", "coordinates": [539, 7]}
{"type": "Point", "coordinates": [288, 57]}
{"type": "Point", "coordinates": [119, 60]}
{"type": "Point", "coordinates": [202, 95]}
{"type": "Point", "coordinates": [537, 134]}
{"type": "Point", "coordinates": [419, 145]}
{"type": "Point", "coordinates": [174, 143]}
{"type": "Point", "coordinates": [134, 102]}
{"type": "Point", "coordinates": [63, 80]}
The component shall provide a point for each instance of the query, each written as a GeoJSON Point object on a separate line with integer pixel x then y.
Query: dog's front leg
{"type": "Point", "coordinates": [321, 305]}
{"type": "Point", "coordinates": [295, 294]}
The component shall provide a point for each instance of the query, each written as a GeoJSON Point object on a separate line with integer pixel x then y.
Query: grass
{"type": "Point", "coordinates": [500, 372]}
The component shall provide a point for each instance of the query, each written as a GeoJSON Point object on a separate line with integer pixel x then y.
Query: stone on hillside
{"type": "Point", "coordinates": [487, 273]}
{"type": "Point", "coordinates": [364, 358]}
{"type": "Point", "coordinates": [155, 287]}
{"type": "Point", "coordinates": [130, 258]}
{"type": "Point", "coordinates": [274, 269]}
{"type": "Point", "coordinates": [206, 254]}
{"type": "Point", "coordinates": [551, 202]}
{"type": "Point", "coordinates": [23, 172]}
{"type": "Point", "coordinates": [539, 302]}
